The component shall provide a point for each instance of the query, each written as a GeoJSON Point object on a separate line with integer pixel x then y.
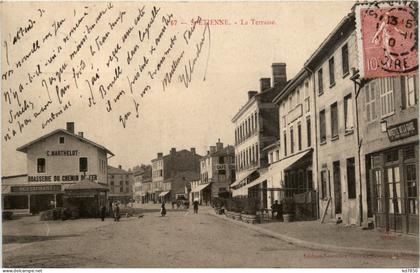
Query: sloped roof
{"type": "Point", "coordinates": [114, 170]}
{"type": "Point", "coordinates": [86, 185]}
{"type": "Point", "coordinates": [25, 147]}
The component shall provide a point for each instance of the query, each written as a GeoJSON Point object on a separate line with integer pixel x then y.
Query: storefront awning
{"type": "Point", "coordinates": [200, 187]}
{"type": "Point", "coordinates": [263, 177]}
{"type": "Point", "coordinates": [288, 162]}
{"type": "Point", "coordinates": [242, 177]}
{"type": "Point", "coordinates": [163, 193]}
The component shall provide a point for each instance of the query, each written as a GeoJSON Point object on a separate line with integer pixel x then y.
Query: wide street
{"type": "Point", "coordinates": [181, 239]}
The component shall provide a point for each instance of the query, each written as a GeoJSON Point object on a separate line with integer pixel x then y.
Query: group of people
{"type": "Point", "coordinates": [114, 209]}
{"type": "Point", "coordinates": [163, 208]}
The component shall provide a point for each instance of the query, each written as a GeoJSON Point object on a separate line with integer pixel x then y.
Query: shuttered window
{"type": "Point", "coordinates": [370, 95]}
{"type": "Point", "coordinates": [387, 96]}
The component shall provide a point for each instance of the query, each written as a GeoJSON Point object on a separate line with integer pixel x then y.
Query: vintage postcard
{"type": "Point", "coordinates": [279, 134]}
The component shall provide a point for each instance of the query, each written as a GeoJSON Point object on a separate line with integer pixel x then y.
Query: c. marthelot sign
{"type": "Point", "coordinates": [402, 130]}
{"type": "Point", "coordinates": [387, 40]}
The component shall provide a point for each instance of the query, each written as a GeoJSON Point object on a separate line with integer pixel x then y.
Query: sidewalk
{"type": "Point", "coordinates": [337, 238]}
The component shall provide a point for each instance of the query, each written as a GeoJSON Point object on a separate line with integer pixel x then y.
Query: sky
{"type": "Point", "coordinates": [232, 60]}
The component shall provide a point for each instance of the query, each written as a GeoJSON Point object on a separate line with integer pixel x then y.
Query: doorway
{"type": "Point", "coordinates": [337, 187]}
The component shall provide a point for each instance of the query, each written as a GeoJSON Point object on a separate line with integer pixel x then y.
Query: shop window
{"type": "Point", "coordinates": [15, 202]}
{"type": "Point", "coordinates": [320, 82]}
{"type": "Point", "coordinates": [345, 59]}
{"type": "Point", "coordinates": [409, 152]}
{"type": "Point", "coordinates": [308, 131]}
{"type": "Point", "coordinates": [370, 95]}
{"type": "Point", "coordinates": [412, 188]}
{"type": "Point", "coordinates": [394, 189]}
{"type": "Point", "coordinates": [377, 177]}
{"type": "Point", "coordinates": [391, 156]}
{"type": "Point", "coordinates": [41, 165]}
{"type": "Point", "coordinates": [334, 121]}
{"type": "Point", "coordinates": [331, 70]}
{"type": "Point", "coordinates": [61, 140]}
{"type": "Point", "coordinates": [387, 96]}
{"type": "Point", "coordinates": [83, 164]}
{"type": "Point", "coordinates": [351, 178]}
{"type": "Point", "coordinates": [348, 113]}
{"type": "Point", "coordinates": [322, 127]}
{"type": "Point", "coordinates": [299, 128]}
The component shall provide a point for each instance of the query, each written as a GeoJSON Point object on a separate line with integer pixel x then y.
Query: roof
{"type": "Point", "coordinates": [225, 151]}
{"type": "Point", "coordinates": [14, 176]}
{"type": "Point", "coordinates": [326, 46]}
{"type": "Point", "coordinates": [86, 185]}
{"type": "Point", "coordinates": [25, 147]}
{"type": "Point", "coordinates": [176, 152]}
{"type": "Point", "coordinates": [114, 170]}
{"type": "Point", "coordinates": [300, 76]}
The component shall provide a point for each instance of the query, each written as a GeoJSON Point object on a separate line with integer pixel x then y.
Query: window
{"type": "Point", "coordinates": [412, 189]}
{"type": "Point", "coordinates": [408, 85]}
{"type": "Point", "coordinates": [308, 131]}
{"type": "Point", "coordinates": [331, 70]}
{"type": "Point", "coordinates": [334, 121]}
{"type": "Point", "coordinates": [351, 178]}
{"type": "Point", "coordinates": [41, 165]}
{"type": "Point", "coordinates": [387, 96]}
{"type": "Point", "coordinates": [345, 59]}
{"type": "Point", "coordinates": [307, 105]}
{"type": "Point", "coordinates": [377, 177]}
{"type": "Point", "coordinates": [299, 128]}
{"type": "Point", "coordinates": [370, 95]}
{"type": "Point", "coordinates": [292, 142]}
{"type": "Point", "coordinates": [392, 178]}
{"type": "Point", "coordinates": [270, 157]}
{"type": "Point", "coordinates": [322, 127]}
{"type": "Point", "coordinates": [320, 82]}
{"type": "Point", "coordinates": [284, 121]}
{"type": "Point", "coordinates": [83, 164]}
{"type": "Point", "coordinates": [348, 113]}
{"type": "Point", "coordinates": [285, 143]}
{"type": "Point", "coordinates": [297, 97]}
{"type": "Point", "coordinates": [121, 189]}
{"type": "Point", "coordinates": [277, 155]}
{"type": "Point", "coordinates": [324, 177]}
{"type": "Point", "coordinates": [221, 160]}
{"type": "Point", "coordinates": [61, 140]}
{"type": "Point", "coordinates": [112, 183]}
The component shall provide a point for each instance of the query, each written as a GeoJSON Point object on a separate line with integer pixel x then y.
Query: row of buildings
{"type": "Point", "coordinates": [185, 175]}
{"type": "Point", "coordinates": [341, 146]}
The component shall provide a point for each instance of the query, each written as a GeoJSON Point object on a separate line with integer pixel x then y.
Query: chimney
{"type": "Point", "coordinates": [219, 145]}
{"type": "Point", "coordinates": [212, 149]}
{"type": "Point", "coordinates": [119, 167]}
{"type": "Point", "coordinates": [265, 83]}
{"type": "Point", "coordinates": [159, 155]}
{"type": "Point", "coordinates": [251, 94]}
{"type": "Point", "coordinates": [70, 127]}
{"type": "Point", "coordinates": [80, 134]}
{"type": "Point", "coordinates": [279, 74]}
{"type": "Point", "coordinates": [193, 151]}
{"type": "Point", "coordinates": [173, 150]}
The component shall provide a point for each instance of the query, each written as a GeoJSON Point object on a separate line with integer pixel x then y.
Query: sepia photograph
{"type": "Point", "coordinates": [209, 134]}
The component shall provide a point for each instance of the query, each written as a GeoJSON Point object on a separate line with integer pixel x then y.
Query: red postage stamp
{"type": "Point", "coordinates": [389, 41]}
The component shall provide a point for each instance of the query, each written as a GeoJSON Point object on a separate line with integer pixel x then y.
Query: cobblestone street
{"type": "Point", "coordinates": [181, 239]}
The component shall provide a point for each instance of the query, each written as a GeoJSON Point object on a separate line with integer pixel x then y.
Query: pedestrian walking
{"type": "Point", "coordinates": [162, 209]}
{"type": "Point", "coordinates": [195, 205]}
{"type": "Point", "coordinates": [116, 212]}
{"type": "Point", "coordinates": [103, 212]}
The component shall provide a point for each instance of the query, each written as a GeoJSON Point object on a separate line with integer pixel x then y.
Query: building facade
{"type": "Point", "coordinates": [256, 127]}
{"type": "Point", "coordinates": [170, 173]}
{"type": "Point", "coordinates": [142, 176]}
{"type": "Point", "coordinates": [293, 161]}
{"type": "Point", "coordinates": [217, 172]}
{"type": "Point", "coordinates": [120, 185]}
{"type": "Point", "coordinates": [388, 120]}
{"type": "Point", "coordinates": [54, 161]}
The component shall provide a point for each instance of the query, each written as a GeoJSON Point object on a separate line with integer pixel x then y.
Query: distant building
{"type": "Point", "coordinates": [167, 180]}
{"type": "Point", "coordinates": [142, 176]}
{"type": "Point", "coordinates": [120, 184]}
{"type": "Point", "coordinates": [256, 127]}
{"type": "Point", "coordinates": [54, 161]}
{"type": "Point", "coordinates": [217, 172]}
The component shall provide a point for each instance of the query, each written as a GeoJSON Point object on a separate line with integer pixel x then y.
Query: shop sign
{"type": "Point", "coordinates": [220, 167]}
{"type": "Point", "coordinates": [386, 36]}
{"type": "Point", "coordinates": [63, 153]}
{"type": "Point", "coordinates": [80, 194]}
{"type": "Point", "coordinates": [402, 130]}
{"type": "Point", "coordinates": [41, 188]}
{"type": "Point", "coordinates": [58, 178]}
